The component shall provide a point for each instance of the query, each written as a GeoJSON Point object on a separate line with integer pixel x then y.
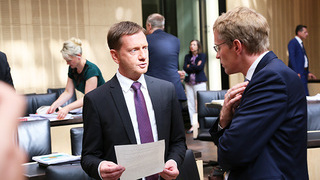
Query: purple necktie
{"type": "Point", "coordinates": [142, 115]}
{"type": "Point", "coordinates": [143, 120]}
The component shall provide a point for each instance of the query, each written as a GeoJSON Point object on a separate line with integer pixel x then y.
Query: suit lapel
{"type": "Point", "coordinates": [120, 103]}
{"type": "Point", "coordinates": [154, 92]}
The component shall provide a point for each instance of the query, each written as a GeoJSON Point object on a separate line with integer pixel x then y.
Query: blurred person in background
{"type": "Point", "coordinates": [196, 79]}
{"type": "Point", "coordinates": [5, 74]}
{"type": "Point", "coordinates": [83, 75]}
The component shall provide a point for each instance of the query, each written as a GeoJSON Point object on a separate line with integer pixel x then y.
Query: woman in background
{"type": "Point", "coordinates": [82, 75]}
{"type": "Point", "coordinates": [195, 79]}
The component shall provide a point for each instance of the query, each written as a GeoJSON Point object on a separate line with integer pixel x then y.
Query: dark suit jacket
{"type": "Point", "coordinates": [267, 138]}
{"type": "Point", "coordinates": [164, 51]}
{"type": "Point", "coordinates": [198, 70]}
{"type": "Point", "coordinates": [107, 123]}
{"type": "Point", "coordinates": [5, 74]}
{"type": "Point", "coordinates": [296, 61]}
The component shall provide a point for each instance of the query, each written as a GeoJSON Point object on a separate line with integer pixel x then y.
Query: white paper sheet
{"type": "Point", "coordinates": [141, 160]}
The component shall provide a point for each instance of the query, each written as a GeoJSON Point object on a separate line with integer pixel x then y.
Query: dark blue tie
{"type": "Point", "coordinates": [144, 126]}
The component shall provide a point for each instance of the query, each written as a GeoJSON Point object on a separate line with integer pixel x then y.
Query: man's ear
{"type": "Point", "coordinates": [238, 46]}
{"type": "Point", "coordinates": [114, 55]}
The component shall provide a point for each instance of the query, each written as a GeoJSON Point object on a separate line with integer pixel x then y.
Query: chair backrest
{"type": "Point", "coordinates": [189, 169]}
{"type": "Point", "coordinates": [208, 116]}
{"type": "Point", "coordinates": [34, 137]}
{"type": "Point", "coordinates": [313, 116]}
{"type": "Point", "coordinates": [76, 135]}
{"type": "Point", "coordinates": [66, 172]}
{"type": "Point", "coordinates": [59, 91]}
{"type": "Point", "coordinates": [34, 101]}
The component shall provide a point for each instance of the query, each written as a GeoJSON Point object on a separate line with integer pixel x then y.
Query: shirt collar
{"type": "Point", "coordinates": [299, 40]}
{"type": "Point", "coordinates": [126, 83]}
{"type": "Point", "coordinates": [254, 66]}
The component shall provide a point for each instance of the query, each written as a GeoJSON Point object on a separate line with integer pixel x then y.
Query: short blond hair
{"type": "Point", "coordinates": [246, 25]}
{"type": "Point", "coordinates": [71, 47]}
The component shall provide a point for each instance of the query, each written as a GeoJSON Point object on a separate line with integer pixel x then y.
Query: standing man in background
{"type": "Point", "coordinates": [164, 51]}
{"type": "Point", "coordinates": [298, 59]}
{"type": "Point", "coordinates": [5, 74]}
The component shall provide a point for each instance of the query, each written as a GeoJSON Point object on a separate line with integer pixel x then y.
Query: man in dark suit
{"type": "Point", "coordinates": [262, 129]}
{"type": "Point", "coordinates": [164, 51]}
{"type": "Point", "coordinates": [5, 74]}
{"type": "Point", "coordinates": [298, 60]}
{"type": "Point", "coordinates": [111, 117]}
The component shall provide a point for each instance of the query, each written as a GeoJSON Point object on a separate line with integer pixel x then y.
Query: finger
{"type": "Point", "coordinates": [236, 92]}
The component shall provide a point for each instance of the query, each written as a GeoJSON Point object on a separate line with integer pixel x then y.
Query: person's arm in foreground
{"type": "Point", "coordinates": [11, 107]}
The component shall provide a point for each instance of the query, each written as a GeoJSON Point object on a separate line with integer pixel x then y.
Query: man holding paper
{"type": "Point", "coordinates": [131, 108]}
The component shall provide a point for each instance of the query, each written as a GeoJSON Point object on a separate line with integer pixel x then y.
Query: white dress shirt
{"type": "Point", "coordinates": [306, 63]}
{"type": "Point", "coordinates": [128, 93]}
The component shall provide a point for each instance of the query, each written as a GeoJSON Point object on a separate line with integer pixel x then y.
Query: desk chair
{"type": "Point", "coordinates": [207, 116]}
{"type": "Point", "coordinates": [34, 137]}
{"type": "Point", "coordinates": [189, 169]}
{"type": "Point", "coordinates": [76, 135]}
{"type": "Point", "coordinates": [34, 101]}
{"type": "Point", "coordinates": [66, 172]}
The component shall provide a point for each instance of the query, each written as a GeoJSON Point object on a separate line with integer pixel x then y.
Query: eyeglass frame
{"type": "Point", "coordinates": [216, 47]}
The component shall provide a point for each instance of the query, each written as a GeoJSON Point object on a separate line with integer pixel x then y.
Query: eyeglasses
{"type": "Point", "coordinates": [216, 47]}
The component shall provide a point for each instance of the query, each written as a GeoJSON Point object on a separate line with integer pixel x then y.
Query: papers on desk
{"type": "Point", "coordinates": [51, 117]}
{"type": "Point", "coordinates": [55, 158]}
{"type": "Point", "coordinates": [313, 98]}
{"type": "Point", "coordinates": [217, 103]}
{"type": "Point", "coordinates": [140, 160]}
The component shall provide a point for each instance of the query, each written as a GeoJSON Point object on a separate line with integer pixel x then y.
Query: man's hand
{"type": "Point", "coordinates": [170, 170]}
{"type": "Point", "coordinates": [110, 170]}
{"type": "Point", "coordinates": [231, 102]}
{"type": "Point", "coordinates": [311, 76]}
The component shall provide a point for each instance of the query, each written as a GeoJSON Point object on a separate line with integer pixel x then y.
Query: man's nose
{"type": "Point", "coordinates": [143, 54]}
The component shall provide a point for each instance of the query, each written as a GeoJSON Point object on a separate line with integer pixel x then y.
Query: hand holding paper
{"type": "Point", "coordinates": [110, 170]}
{"type": "Point", "coordinates": [170, 170]}
{"type": "Point", "coordinates": [141, 160]}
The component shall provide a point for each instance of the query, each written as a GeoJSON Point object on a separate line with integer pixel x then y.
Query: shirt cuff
{"type": "Point", "coordinates": [219, 127]}
{"type": "Point", "coordinates": [99, 170]}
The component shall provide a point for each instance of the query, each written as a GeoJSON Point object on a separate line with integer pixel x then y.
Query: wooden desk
{"type": "Point", "coordinates": [314, 86]}
{"type": "Point", "coordinates": [75, 120]}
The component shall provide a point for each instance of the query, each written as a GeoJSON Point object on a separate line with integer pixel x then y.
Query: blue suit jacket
{"type": "Point", "coordinates": [5, 74]}
{"type": "Point", "coordinates": [267, 138]}
{"type": "Point", "coordinates": [107, 122]}
{"type": "Point", "coordinates": [164, 51]}
{"type": "Point", "coordinates": [296, 61]}
{"type": "Point", "coordinates": [198, 70]}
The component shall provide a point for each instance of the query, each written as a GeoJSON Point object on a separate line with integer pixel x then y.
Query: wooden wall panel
{"type": "Point", "coordinates": [283, 16]}
{"type": "Point", "coordinates": [32, 33]}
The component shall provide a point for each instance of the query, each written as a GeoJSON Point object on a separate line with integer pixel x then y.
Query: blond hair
{"type": "Point", "coordinates": [246, 25]}
{"type": "Point", "coordinates": [71, 47]}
